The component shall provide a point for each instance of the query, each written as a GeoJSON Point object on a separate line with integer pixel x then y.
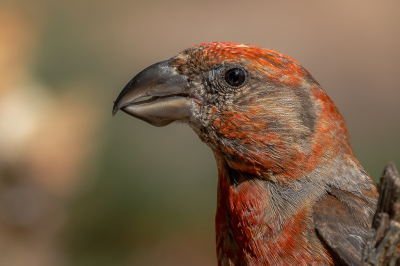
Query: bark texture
{"type": "Point", "coordinates": [382, 247]}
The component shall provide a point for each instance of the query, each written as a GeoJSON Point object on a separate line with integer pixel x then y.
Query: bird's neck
{"type": "Point", "coordinates": [258, 223]}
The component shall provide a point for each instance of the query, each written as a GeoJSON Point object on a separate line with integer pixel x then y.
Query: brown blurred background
{"type": "Point", "coordinates": [79, 188]}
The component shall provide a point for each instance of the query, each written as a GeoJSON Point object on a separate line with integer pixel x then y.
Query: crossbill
{"type": "Point", "coordinates": [290, 191]}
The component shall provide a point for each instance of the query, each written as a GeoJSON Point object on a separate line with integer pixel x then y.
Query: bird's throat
{"type": "Point", "coordinates": [253, 226]}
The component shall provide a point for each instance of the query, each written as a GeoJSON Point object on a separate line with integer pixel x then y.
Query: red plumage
{"type": "Point", "coordinates": [290, 191]}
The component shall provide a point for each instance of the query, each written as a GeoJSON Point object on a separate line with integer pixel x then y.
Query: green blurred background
{"type": "Point", "coordinates": [78, 187]}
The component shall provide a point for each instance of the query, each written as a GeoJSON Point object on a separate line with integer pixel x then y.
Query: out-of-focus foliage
{"type": "Point", "coordinates": [85, 189]}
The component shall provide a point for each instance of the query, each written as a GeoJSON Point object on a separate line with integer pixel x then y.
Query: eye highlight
{"type": "Point", "coordinates": [235, 77]}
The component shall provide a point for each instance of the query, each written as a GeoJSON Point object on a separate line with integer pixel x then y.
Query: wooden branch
{"type": "Point", "coordinates": [382, 246]}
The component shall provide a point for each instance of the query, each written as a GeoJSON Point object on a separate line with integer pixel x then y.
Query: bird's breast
{"type": "Point", "coordinates": [251, 231]}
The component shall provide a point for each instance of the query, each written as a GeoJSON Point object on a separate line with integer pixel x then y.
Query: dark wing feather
{"type": "Point", "coordinates": [339, 230]}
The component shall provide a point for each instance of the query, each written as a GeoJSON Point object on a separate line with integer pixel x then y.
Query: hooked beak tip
{"type": "Point", "coordinates": [115, 108]}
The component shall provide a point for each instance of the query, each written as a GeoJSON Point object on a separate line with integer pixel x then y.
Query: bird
{"type": "Point", "coordinates": [290, 191]}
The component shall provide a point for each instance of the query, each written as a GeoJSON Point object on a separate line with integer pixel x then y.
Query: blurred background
{"type": "Point", "coordinates": [78, 187]}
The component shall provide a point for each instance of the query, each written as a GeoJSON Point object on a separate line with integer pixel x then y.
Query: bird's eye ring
{"type": "Point", "coordinates": [235, 77]}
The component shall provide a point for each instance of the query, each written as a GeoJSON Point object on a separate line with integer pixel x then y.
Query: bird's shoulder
{"type": "Point", "coordinates": [340, 227]}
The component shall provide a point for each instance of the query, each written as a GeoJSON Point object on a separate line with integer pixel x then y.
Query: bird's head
{"type": "Point", "coordinates": [259, 109]}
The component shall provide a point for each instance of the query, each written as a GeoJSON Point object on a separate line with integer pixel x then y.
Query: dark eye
{"type": "Point", "coordinates": [235, 77]}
